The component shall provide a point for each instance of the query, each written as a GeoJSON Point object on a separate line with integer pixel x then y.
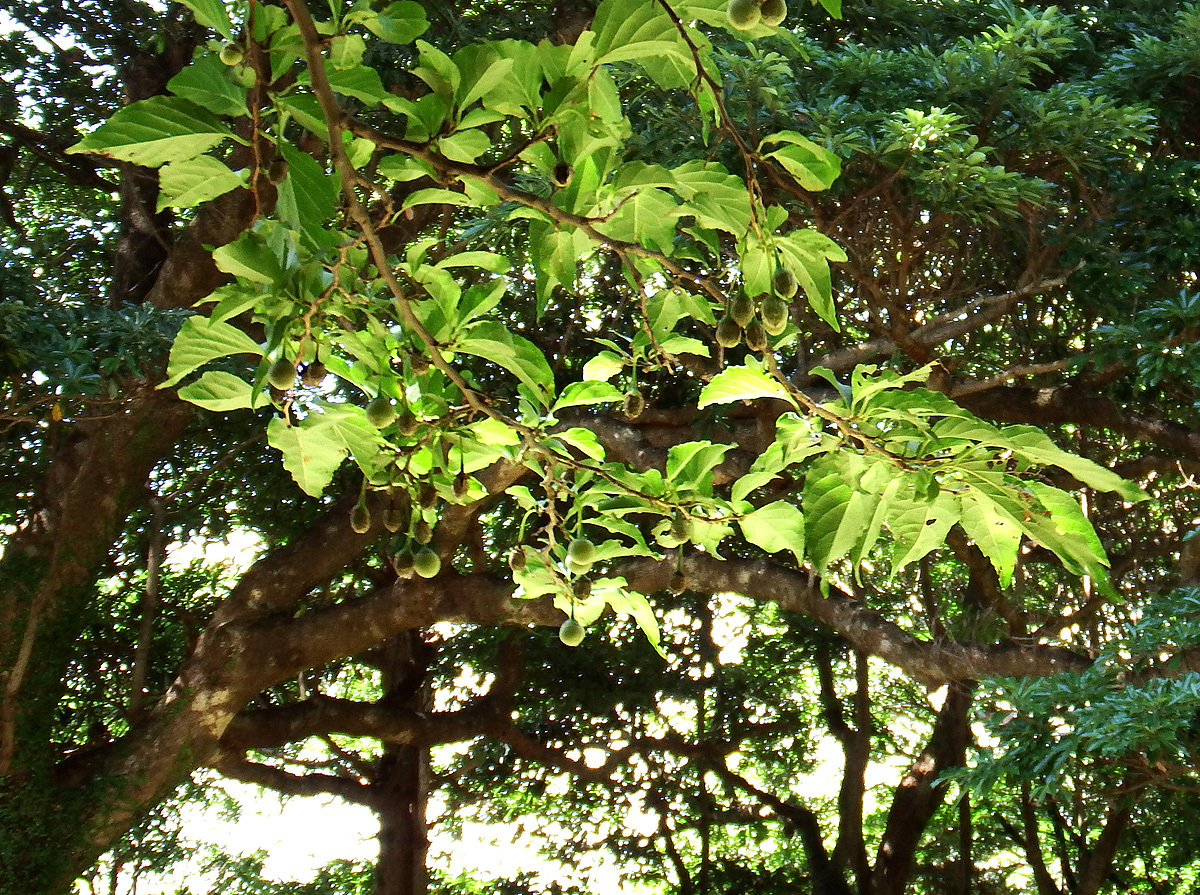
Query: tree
{"type": "Point", "coordinates": [542, 333]}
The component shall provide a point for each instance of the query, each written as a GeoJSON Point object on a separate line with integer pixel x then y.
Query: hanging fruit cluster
{"type": "Point", "coordinates": [743, 321]}
{"type": "Point", "coordinates": [745, 14]}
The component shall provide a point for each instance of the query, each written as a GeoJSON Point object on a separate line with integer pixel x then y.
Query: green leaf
{"type": "Point", "coordinates": [584, 393]}
{"type": "Point", "coordinates": [201, 340]}
{"type": "Point", "coordinates": [155, 131]}
{"type": "Point", "coordinates": [920, 526]}
{"type": "Point", "coordinates": [437, 196]}
{"type": "Point", "coordinates": [603, 367]}
{"type": "Point", "coordinates": [814, 167]}
{"type": "Point", "coordinates": [994, 531]}
{"type": "Point", "coordinates": [219, 391]}
{"type": "Point", "coordinates": [314, 448]}
{"type": "Point", "coordinates": [212, 14]}
{"type": "Point", "coordinates": [250, 257]}
{"type": "Point", "coordinates": [1035, 446]}
{"type": "Point", "coordinates": [207, 83]}
{"type": "Point", "coordinates": [307, 196]}
{"type": "Point", "coordinates": [806, 254]}
{"type": "Point", "coordinates": [825, 499]}
{"type": "Point", "coordinates": [743, 384]}
{"type": "Point", "coordinates": [360, 82]}
{"type": "Point", "coordinates": [311, 455]}
{"type": "Point", "coordinates": [399, 23]}
{"type": "Point", "coordinates": [631, 603]}
{"type": "Point", "coordinates": [191, 182]}
{"type": "Point", "coordinates": [493, 342]}
{"type": "Point", "coordinates": [690, 465]}
{"type": "Point", "coordinates": [583, 440]}
{"type": "Point", "coordinates": [774, 527]}
{"type": "Point", "coordinates": [1069, 535]}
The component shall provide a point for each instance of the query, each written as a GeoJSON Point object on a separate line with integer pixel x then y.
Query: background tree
{"type": "Point", "coordinates": [490, 300]}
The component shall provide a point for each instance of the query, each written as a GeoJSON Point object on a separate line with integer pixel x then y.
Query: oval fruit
{"type": "Point", "coordinates": [422, 531]}
{"type": "Point", "coordinates": [282, 374]}
{"type": "Point", "coordinates": [426, 563]}
{"type": "Point", "coordinates": [741, 309]}
{"type": "Point", "coordinates": [231, 53]}
{"type": "Point", "coordinates": [581, 552]}
{"type": "Point", "coordinates": [784, 283]}
{"type": "Point", "coordinates": [633, 404]}
{"type": "Point", "coordinates": [360, 519]}
{"type": "Point", "coordinates": [407, 423]}
{"type": "Point", "coordinates": [402, 562]}
{"type": "Point", "coordinates": [774, 312]}
{"type": "Point", "coordinates": [756, 336]}
{"type": "Point", "coordinates": [729, 333]}
{"type": "Point", "coordinates": [743, 14]}
{"type": "Point", "coordinates": [461, 485]}
{"type": "Point", "coordinates": [381, 411]}
{"type": "Point", "coordinates": [773, 12]}
{"type": "Point", "coordinates": [571, 632]}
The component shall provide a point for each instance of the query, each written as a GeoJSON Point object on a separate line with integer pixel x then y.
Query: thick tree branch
{"type": "Point", "coordinates": [233, 765]}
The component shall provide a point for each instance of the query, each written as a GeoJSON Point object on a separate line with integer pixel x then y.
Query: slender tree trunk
{"type": "Point", "coordinates": [1097, 862]}
{"type": "Point", "coordinates": [402, 783]}
{"type": "Point", "coordinates": [918, 797]}
{"type": "Point", "coordinates": [1033, 846]}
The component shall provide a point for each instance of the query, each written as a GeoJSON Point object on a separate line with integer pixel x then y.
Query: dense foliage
{"type": "Point", "coordinates": [830, 387]}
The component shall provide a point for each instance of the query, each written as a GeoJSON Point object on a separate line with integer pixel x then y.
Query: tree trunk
{"type": "Point", "coordinates": [918, 797]}
{"type": "Point", "coordinates": [95, 479]}
{"type": "Point", "coordinates": [401, 786]}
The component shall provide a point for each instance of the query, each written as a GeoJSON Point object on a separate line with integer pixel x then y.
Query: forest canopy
{"type": "Point", "coordinates": [627, 407]}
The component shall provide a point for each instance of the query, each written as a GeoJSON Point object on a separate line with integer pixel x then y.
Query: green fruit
{"type": "Point", "coordinates": [422, 531]}
{"type": "Point", "coordinates": [462, 484]}
{"type": "Point", "coordinates": [756, 336]}
{"type": "Point", "coordinates": [313, 374]}
{"type": "Point", "coordinates": [277, 171]}
{"type": "Point", "coordinates": [406, 423]}
{"type": "Point", "coordinates": [784, 283]}
{"type": "Point", "coordinates": [571, 632]}
{"type": "Point", "coordinates": [402, 562]}
{"type": "Point", "coordinates": [741, 309]}
{"type": "Point", "coordinates": [634, 404]}
{"type": "Point", "coordinates": [381, 411]}
{"type": "Point", "coordinates": [729, 333]}
{"type": "Point", "coordinates": [773, 12]}
{"type": "Point", "coordinates": [774, 312]}
{"type": "Point", "coordinates": [426, 563]}
{"type": "Point", "coordinates": [282, 374]}
{"type": "Point", "coordinates": [681, 528]}
{"type": "Point", "coordinates": [427, 497]}
{"type": "Point", "coordinates": [231, 53]}
{"type": "Point", "coordinates": [743, 14]}
{"type": "Point", "coordinates": [360, 519]}
{"type": "Point", "coordinates": [517, 559]}
{"type": "Point", "coordinates": [398, 512]}
{"type": "Point", "coordinates": [581, 552]}
{"type": "Point", "coordinates": [582, 589]}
